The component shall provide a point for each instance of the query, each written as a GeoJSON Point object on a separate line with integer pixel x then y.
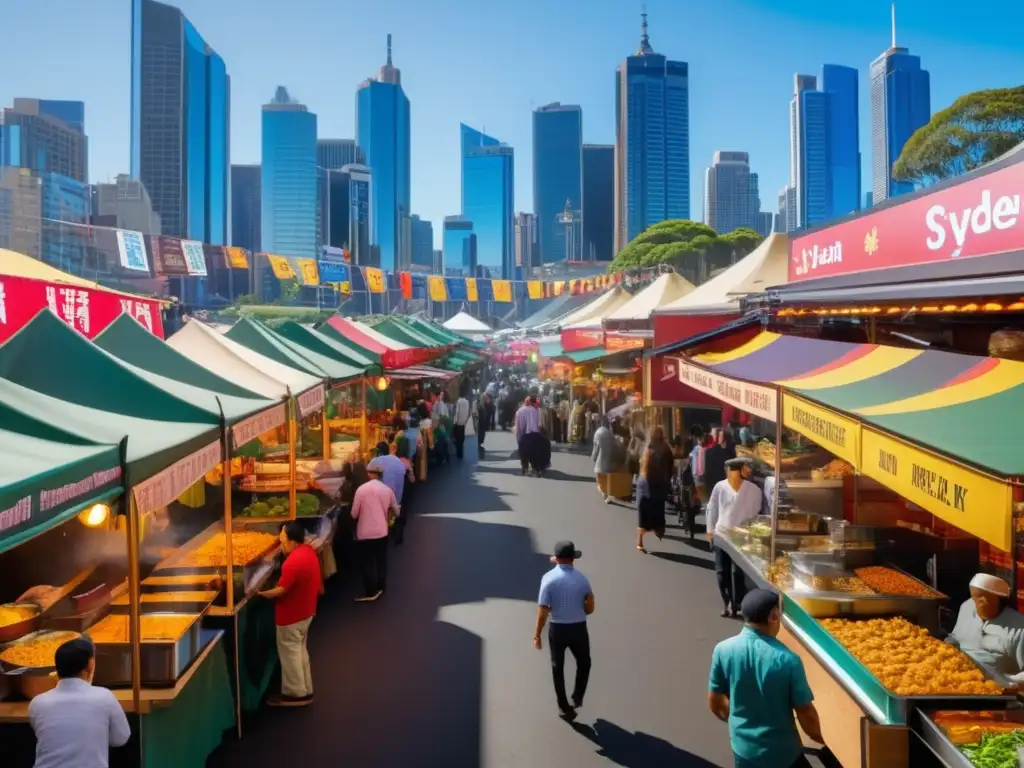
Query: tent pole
{"type": "Point", "coordinates": [292, 433]}
{"type": "Point", "coordinates": [135, 603]}
{"type": "Point", "coordinates": [364, 426]}
{"type": "Point", "coordinates": [326, 428]}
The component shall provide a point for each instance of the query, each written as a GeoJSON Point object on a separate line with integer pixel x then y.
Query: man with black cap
{"type": "Point", "coordinates": [566, 599]}
{"type": "Point", "coordinates": [756, 684]}
{"type": "Point", "coordinates": [734, 502]}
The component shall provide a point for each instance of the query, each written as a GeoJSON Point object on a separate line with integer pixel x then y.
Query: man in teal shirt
{"type": "Point", "coordinates": [756, 685]}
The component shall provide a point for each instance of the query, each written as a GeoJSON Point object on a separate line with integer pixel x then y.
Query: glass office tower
{"type": "Point", "coordinates": [598, 202]}
{"type": "Point", "coordinates": [422, 233]}
{"type": "Point", "coordinates": [335, 154]}
{"type": "Point", "coordinates": [246, 229]}
{"type": "Point", "coordinates": [652, 141]}
{"type": "Point", "coordinates": [840, 85]}
{"type": "Point", "coordinates": [45, 137]}
{"type": "Point", "coordinates": [557, 179]}
{"type": "Point", "coordinates": [383, 134]}
{"type": "Point", "coordinates": [288, 182]}
{"type": "Point", "coordinates": [180, 122]}
{"type": "Point", "coordinates": [459, 247]}
{"type": "Point", "coordinates": [488, 200]}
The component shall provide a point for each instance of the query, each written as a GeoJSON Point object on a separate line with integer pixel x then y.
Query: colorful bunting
{"type": "Point", "coordinates": [438, 289]}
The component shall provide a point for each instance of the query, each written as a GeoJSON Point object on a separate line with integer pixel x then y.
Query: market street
{"type": "Point", "coordinates": [441, 671]}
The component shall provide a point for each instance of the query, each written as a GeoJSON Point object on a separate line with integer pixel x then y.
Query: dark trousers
{"type": "Point", "coordinates": [731, 583]}
{"type": "Point", "coordinates": [801, 762]}
{"type": "Point", "coordinates": [373, 555]}
{"type": "Point", "coordinates": [556, 429]}
{"type": "Point", "coordinates": [574, 638]}
{"type": "Point", "coordinates": [459, 437]}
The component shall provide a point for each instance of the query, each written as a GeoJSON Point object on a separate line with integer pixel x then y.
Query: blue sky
{"type": "Point", "coordinates": [489, 64]}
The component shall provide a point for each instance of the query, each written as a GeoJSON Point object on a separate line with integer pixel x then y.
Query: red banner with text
{"type": "Point", "coordinates": [87, 310]}
{"type": "Point", "coordinates": [576, 339]}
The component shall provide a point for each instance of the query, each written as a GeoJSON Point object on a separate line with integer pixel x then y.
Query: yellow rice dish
{"type": "Point", "coordinates": [246, 547]}
{"type": "Point", "coordinates": [114, 628]}
{"type": "Point", "coordinates": [36, 653]}
{"type": "Point", "coordinates": [13, 614]}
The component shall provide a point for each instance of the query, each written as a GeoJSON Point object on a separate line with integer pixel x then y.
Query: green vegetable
{"type": "Point", "coordinates": [996, 750]}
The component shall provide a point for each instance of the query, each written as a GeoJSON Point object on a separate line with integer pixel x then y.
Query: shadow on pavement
{"type": "Point", "coordinates": [637, 750]}
{"type": "Point", "coordinates": [677, 557]}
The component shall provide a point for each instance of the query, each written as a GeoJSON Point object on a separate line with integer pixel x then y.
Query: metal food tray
{"type": "Point", "coordinates": [935, 738]}
{"type": "Point", "coordinates": [173, 566]}
{"type": "Point", "coordinates": [893, 708]}
{"type": "Point", "coordinates": [14, 669]}
{"type": "Point", "coordinates": [9, 632]}
{"type": "Point", "coordinates": [162, 661]}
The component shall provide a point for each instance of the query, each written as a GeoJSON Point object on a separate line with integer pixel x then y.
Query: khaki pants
{"type": "Point", "coordinates": [296, 677]}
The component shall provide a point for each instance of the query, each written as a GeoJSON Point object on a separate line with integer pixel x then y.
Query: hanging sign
{"type": "Point", "coordinates": [195, 257]}
{"type": "Point", "coordinates": [236, 257]}
{"type": "Point", "coordinates": [252, 427]}
{"type": "Point", "coordinates": [502, 290]}
{"type": "Point", "coordinates": [374, 279]}
{"type": "Point", "coordinates": [753, 398]}
{"type": "Point", "coordinates": [131, 246]}
{"type": "Point", "coordinates": [308, 271]}
{"type": "Point", "coordinates": [837, 434]}
{"type": "Point", "coordinates": [282, 267]}
{"type": "Point", "coordinates": [471, 290]}
{"type": "Point", "coordinates": [310, 401]}
{"type": "Point", "coordinates": [168, 257]}
{"type": "Point", "coordinates": [438, 288]}
{"type": "Point", "coordinates": [163, 488]}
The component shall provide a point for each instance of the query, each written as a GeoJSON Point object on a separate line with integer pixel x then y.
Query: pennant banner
{"type": "Point", "coordinates": [419, 287]}
{"type": "Point", "coordinates": [438, 289]}
{"type": "Point", "coordinates": [374, 279]}
{"type": "Point", "coordinates": [471, 291]}
{"type": "Point", "coordinates": [502, 290]}
{"type": "Point", "coordinates": [535, 289]}
{"type": "Point", "coordinates": [308, 271]}
{"type": "Point", "coordinates": [405, 284]}
{"type": "Point", "coordinates": [456, 288]}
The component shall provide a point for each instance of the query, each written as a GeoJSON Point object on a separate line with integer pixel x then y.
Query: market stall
{"type": "Point", "coordinates": [170, 443]}
{"type": "Point", "coordinates": [464, 323]}
{"type": "Point", "coordinates": [894, 487]}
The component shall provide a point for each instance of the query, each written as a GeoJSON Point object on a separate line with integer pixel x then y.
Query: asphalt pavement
{"type": "Point", "coordinates": [441, 671]}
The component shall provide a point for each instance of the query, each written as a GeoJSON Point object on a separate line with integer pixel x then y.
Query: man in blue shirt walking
{"type": "Point", "coordinates": [566, 599]}
{"type": "Point", "coordinates": [756, 685]}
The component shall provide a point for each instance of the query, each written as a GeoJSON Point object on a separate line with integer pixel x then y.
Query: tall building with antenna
{"type": "Point", "coordinates": [383, 133]}
{"type": "Point", "coordinates": [652, 141]}
{"type": "Point", "coordinates": [900, 104]}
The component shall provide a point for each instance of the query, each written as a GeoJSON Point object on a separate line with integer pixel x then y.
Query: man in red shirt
{"type": "Point", "coordinates": [296, 594]}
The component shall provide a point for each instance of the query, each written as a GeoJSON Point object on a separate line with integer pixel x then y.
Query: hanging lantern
{"type": "Point", "coordinates": [94, 516]}
{"type": "Point", "coordinates": [382, 384]}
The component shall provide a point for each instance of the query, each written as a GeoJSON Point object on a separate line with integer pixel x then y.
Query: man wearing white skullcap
{"type": "Point", "coordinates": [989, 631]}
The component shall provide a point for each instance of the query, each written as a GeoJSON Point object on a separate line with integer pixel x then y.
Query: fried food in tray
{"type": "Point", "coordinates": [35, 650]}
{"type": "Point", "coordinates": [114, 628]}
{"type": "Point", "coordinates": [179, 596]}
{"type": "Point", "coordinates": [963, 727]}
{"type": "Point", "coordinates": [247, 546]}
{"type": "Point", "coordinates": [15, 613]}
{"type": "Point", "coordinates": [887, 581]}
{"type": "Point", "coordinates": [908, 661]}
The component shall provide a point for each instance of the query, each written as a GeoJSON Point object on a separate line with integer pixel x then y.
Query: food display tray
{"type": "Point", "coordinates": [162, 661]}
{"type": "Point", "coordinates": [17, 670]}
{"type": "Point", "coordinates": [9, 632]}
{"type": "Point", "coordinates": [888, 708]}
{"type": "Point", "coordinates": [173, 566]}
{"type": "Point", "coordinates": [937, 741]}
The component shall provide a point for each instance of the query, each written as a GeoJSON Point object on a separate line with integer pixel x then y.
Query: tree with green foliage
{"type": "Point", "coordinates": [290, 291]}
{"type": "Point", "coordinates": [976, 129]}
{"type": "Point", "coordinates": [693, 249]}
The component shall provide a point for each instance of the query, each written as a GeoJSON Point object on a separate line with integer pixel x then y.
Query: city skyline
{"type": "Point", "coordinates": [495, 97]}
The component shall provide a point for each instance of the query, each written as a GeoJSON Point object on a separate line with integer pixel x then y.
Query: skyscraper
{"type": "Point", "coordinates": [731, 198]}
{"type": "Point", "coordinates": [557, 178]}
{"type": "Point", "coordinates": [180, 123]}
{"type": "Point", "coordinates": [459, 244]}
{"type": "Point", "coordinates": [422, 233]}
{"type": "Point", "coordinates": [598, 202]}
{"type": "Point", "coordinates": [488, 200]}
{"type": "Point", "coordinates": [21, 211]}
{"type": "Point", "coordinates": [335, 154]}
{"type": "Point", "coordinates": [526, 244]}
{"type": "Point", "coordinates": [246, 200]}
{"type": "Point", "coordinates": [125, 204]}
{"type": "Point", "coordinates": [45, 137]}
{"type": "Point", "coordinates": [652, 141]}
{"type": "Point", "coordinates": [346, 212]}
{"type": "Point", "coordinates": [288, 179]}
{"type": "Point", "coordinates": [900, 104]}
{"type": "Point", "coordinates": [382, 132]}
{"type": "Point", "coordinates": [825, 145]}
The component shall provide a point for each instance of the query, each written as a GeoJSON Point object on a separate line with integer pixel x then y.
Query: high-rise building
{"type": "Point", "coordinates": [382, 132]}
{"type": "Point", "coordinates": [824, 145]}
{"type": "Point", "coordinates": [488, 200]}
{"type": "Point", "coordinates": [731, 196]}
{"type": "Point", "coordinates": [246, 203]}
{"type": "Point", "coordinates": [787, 209]}
{"type": "Point", "coordinates": [557, 178]}
{"type": "Point", "coordinates": [422, 233]}
{"type": "Point", "coordinates": [180, 123]}
{"type": "Point", "coordinates": [335, 154]}
{"type": "Point", "coordinates": [345, 212]}
{"type": "Point", "coordinates": [288, 179]}
{"type": "Point", "coordinates": [459, 243]}
{"type": "Point", "coordinates": [526, 244]}
{"type": "Point", "coordinates": [45, 136]}
{"type": "Point", "coordinates": [598, 202]}
{"type": "Point", "coordinates": [21, 211]}
{"type": "Point", "coordinates": [652, 141]}
{"type": "Point", "coordinates": [438, 264]}
{"type": "Point", "coordinates": [66, 205]}
{"type": "Point", "coordinates": [125, 204]}
{"type": "Point", "coordinates": [900, 104]}
{"type": "Point", "coordinates": [765, 223]}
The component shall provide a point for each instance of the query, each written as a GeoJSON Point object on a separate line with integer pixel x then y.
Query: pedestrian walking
{"type": "Point", "coordinates": [756, 685]}
{"type": "Point", "coordinates": [295, 598]}
{"type": "Point", "coordinates": [650, 513]}
{"type": "Point", "coordinates": [373, 508]}
{"type": "Point", "coordinates": [527, 422]}
{"type": "Point", "coordinates": [76, 723]}
{"type": "Point", "coordinates": [394, 473]}
{"type": "Point", "coordinates": [734, 502]}
{"type": "Point", "coordinates": [460, 417]}
{"type": "Point", "coordinates": [486, 421]}
{"type": "Point", "coordinates": [565, 601]}
{"type": "Point", "coordinates": [604, 455]}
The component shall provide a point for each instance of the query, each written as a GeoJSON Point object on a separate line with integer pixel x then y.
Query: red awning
{"type": "Point", "coordinates": [391, 357]}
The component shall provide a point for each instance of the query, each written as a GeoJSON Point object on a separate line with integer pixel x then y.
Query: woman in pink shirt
{"type": "Point", "coordinates": [373, 506]}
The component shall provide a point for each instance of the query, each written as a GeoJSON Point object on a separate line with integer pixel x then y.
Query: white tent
{"type": "Point", "coordinates": [238, 364]}
{"type": "Point", "coordinates": [763, 267]}
{"type": "Point", "coordinates": [464, 322]}
{"type": "Point", "coordinates": [590, 315]}
{"type": "Point", "coordinates": [666, 289]}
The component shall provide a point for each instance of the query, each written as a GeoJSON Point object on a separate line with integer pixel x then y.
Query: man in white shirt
{"type": "Point", "coordinates": [734, 502]}
{"type": "Point", "coordinates": [77, 723]}
{"type": "Point", "coordinates": [459, 420]}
